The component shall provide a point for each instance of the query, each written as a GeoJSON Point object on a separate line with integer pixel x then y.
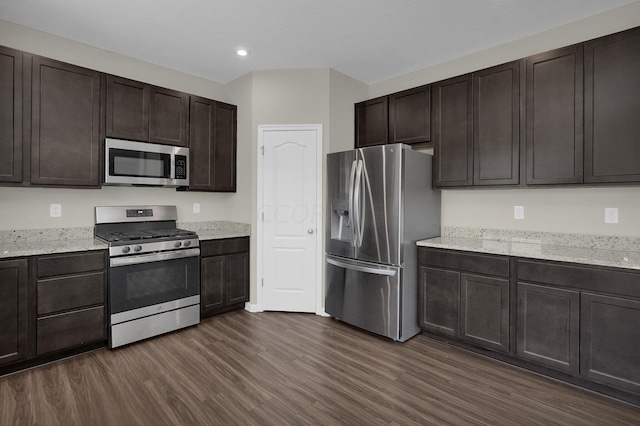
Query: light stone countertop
{"type": "Point", "coordinates": [10, 249]}
{"type": "Point", "coordinates": [34, 242]}
{"type": "Point", "coordinates": [595, 250]}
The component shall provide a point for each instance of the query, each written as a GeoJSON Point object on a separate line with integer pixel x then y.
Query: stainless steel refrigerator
{"type": "Point", "coordinates": [380, 202]}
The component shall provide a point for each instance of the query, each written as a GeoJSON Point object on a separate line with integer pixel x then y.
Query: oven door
{"type": "Point", "coordinates": [153, 282]}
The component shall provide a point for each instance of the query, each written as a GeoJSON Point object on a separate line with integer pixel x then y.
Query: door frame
{"type": "Point", "coordinates": [262, 129]}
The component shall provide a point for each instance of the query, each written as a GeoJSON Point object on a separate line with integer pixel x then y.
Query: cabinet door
{"type": "Point", "coordinates": [65, 124]}
{"type": "Point", "coordinates": [548, 326]}
{"type": "Point", "coordinates": [237, 278]}
{"type": "Point", "coordinates": [224, 147]}
{"type": "Point", "coordinates": [452, 121]}
{"type": "Point", "coordinates": [439, 300]}
{"type": "Point", "coordinates": [410, 116]}
{"type": "Point", "coordinates": [554, 111]}
{"type": "Point", "coordinates": [485, 311]}
{"type": "Point", "coordinates": [212, 286]}
{"type": "Point", "coordinates": [496, 125]}
{"type": "Point", "coordinates": [168, 112]}
{"type": "Point", "coordinates": [372, 122]}
{"type": "Point", "coordinates": [10, 115]}
{"type": "Point", "coordinates": [201, 131]}
{"type": "Point", "coordinates": [610, 340]}
{"type": "Point", "coordinates": [13, 310]}
{"type": "Point", "coordinates": [127, 109]}
{"type": "Point", "coordinates": [612, 108]}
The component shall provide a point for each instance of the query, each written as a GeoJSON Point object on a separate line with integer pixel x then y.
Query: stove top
{"type": "Point", "coordinates": [141, 235]}
{"type": "Point", "coordinates": [133, 230]}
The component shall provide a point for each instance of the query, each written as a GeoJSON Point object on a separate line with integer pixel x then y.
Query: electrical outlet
{"type": "Point", "coordinates": [610, 215]}
{"type": "Point", "coordinates": [196, 207]}
{"type": "Point", "coordinates": [518, 212]}
{"type": "Point", "coordinates": [55, 210]}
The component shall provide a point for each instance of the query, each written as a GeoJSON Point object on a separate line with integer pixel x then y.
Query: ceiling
{"type": "Point", "coordinates": [369, 40]}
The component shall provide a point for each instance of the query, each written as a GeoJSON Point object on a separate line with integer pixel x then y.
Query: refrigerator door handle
{"type": "Point", "coordinates": [352, 179]}
{"type": "Point", "coordinates": [359, 225]}
{"type": "Point", "coordinates": [360, 268]}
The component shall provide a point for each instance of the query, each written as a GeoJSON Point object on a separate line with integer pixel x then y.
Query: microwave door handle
{"type": "Point", "coordinates": [352, 178]}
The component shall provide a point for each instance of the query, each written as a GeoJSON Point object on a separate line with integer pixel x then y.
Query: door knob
{"type": "Point", "coordinates": [309, 231]}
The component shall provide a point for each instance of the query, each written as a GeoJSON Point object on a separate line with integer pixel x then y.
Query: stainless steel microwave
{"type": "Point", "coordinates": [140, 163]}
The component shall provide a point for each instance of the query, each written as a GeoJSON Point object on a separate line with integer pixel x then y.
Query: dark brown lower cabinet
{"type": "Point", "coordinates": [574, 322]}
{"type": "Point", "coordinates": [224, 275]}
{"type": "Point", "coordinates": [13, 310]}
{"type": "Point", "coordinates": [455, 300]}
{"type": "Point", "coordinates": [51, 306]}
{"type": "Point", "coordinates": [439, 296]}
{"type": "Point", "coordinates": [548, 326]}
{"type": "Point", "coordinates": [610, 340]}
{"type": "Point", "coordinates": [484, 310]}
{"type": "Point", "coordinates": [69, 291]}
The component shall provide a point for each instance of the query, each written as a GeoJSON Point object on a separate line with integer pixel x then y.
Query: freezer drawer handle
{"type": "Point", "coordinates": [387, 272]}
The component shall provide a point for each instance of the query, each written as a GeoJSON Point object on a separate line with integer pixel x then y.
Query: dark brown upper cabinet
{"type": "Point", "coordinates": [496, 125]}
{"type": "Point", "coordinates": [372, 124]}
{"type": "Point", "coordinates": [452, 119]}
{"type": "Point", "coordinates": [225, 147]}
{"type": "Point", "coordinates": [147, 113]}
{"type": "Point", "coordinates": [612, 108]}
{"type": "Point", "coordinates": [554, 117]}
{"type": "Point", "coordinates": [403, 117]}
{"type": "Point", "coordinates": [10, 115]}
{"type": "Point", "coordinates": [212, 144]}
{"type": "Point", "coordinates": [410, 116]}
{"type": "Point", "coordinates": [65, 124]}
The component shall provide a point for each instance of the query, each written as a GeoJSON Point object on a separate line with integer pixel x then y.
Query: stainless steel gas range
{"type": "Point", "coordinates": [154, 272]}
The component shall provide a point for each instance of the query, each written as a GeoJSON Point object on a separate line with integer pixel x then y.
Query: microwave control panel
{"type": "Point", "coordinates": [181, 167]}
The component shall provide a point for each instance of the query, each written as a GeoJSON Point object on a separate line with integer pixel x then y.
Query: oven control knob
{"type": "Point", "coordinates": [137, 248]}
{"type": "Point", "coordinates": [126, 249]}
{"type": "Point", "coordinates": [187, 243]}
{"type": "Point", "coordinates": [177, 244]}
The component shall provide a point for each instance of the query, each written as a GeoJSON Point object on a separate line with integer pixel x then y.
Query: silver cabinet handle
{"type": "Point", "coordinates": [309, 231]}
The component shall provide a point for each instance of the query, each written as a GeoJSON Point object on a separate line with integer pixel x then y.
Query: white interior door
{"type": "Point", "coordinates": [291, 217]}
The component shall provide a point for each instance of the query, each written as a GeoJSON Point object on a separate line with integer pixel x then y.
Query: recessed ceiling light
{"type": "Point", "coordinates": [242, 52]}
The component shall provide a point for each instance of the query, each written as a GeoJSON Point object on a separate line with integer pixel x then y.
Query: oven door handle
{"type": "Point", "coordinates": [153, 257]}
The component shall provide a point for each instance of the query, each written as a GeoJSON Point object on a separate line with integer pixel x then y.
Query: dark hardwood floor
{"type": "Point", "coordinates": [293, 369]}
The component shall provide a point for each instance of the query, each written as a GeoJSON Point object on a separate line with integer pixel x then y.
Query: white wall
{"type": "Point", "coordinates": [28, 208]}
{"type": "Point", "coordinates": [573, 210]}
{"type": "Point", "coordinates": [344, 92]}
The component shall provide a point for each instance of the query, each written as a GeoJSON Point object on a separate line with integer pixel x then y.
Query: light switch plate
{"type": "Point", "coordinates": [55, 210]}
{"type": "Point", "coordinates": [518, 212]}
{"type": "Point", "coordinates": [196, 207]}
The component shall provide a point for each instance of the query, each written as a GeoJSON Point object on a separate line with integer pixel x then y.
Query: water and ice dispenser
{"type": "Point", "coordinates": [340, 220]}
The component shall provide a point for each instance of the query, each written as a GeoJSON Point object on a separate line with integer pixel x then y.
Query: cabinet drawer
{"type": "Point", "coordinates": [580, 277]}
{"type": "Point", "coordinates": [71, 292]}
{"type": "Point", "coordinates": [70, 329]}
{"type": "Point", "coordinates": [467, 262]}
{"type": "Point", "coordinates": [48, 266]}
{"type": "Point", "coordinates": [226, 246]}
